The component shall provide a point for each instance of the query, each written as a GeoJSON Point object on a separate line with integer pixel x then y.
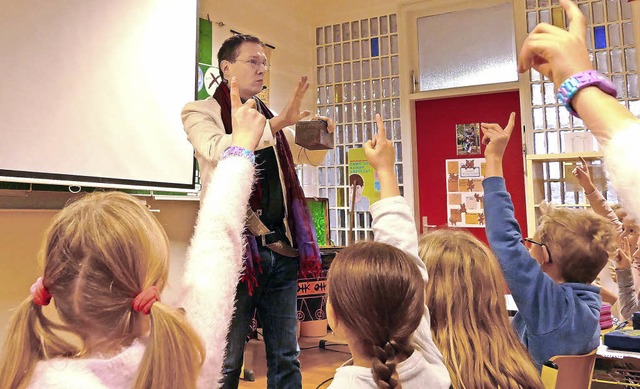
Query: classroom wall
{"type": "Point", "coordinates": [284, 24]}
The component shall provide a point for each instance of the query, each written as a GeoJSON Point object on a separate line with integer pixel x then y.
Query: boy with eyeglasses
{"type": "Point", "coordinates": [558, 308]}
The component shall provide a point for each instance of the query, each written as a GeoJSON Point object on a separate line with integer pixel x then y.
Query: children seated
{"type": "Point", "coordinates": [105, 264]}
{"type": "Point", "coordinates": [465, 296]}
{"type": "Point", "coordinates": [376, 295]}
{"type": "Point", "coordinates": [627, 230]}
{"type": "Point", "coordinates": [558, 309]}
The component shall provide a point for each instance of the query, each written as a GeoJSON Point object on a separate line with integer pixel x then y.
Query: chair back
{"type": "Point", "coordinates": [574, 371]}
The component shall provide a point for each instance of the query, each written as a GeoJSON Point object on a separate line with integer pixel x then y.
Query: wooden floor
{"type": "Point", "coordinates": [317, 364]}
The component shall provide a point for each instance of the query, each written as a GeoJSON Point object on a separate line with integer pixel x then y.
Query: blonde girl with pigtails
{"type": "Point", "coordinates": [106, 263]}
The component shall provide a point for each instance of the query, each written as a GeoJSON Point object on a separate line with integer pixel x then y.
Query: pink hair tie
{"type": "Point", "coordinates": [39, 293]}
{"type": "Point", "coordinates": [145, 299]}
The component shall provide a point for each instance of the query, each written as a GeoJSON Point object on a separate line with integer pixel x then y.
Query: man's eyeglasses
{"type": "Point", "coordinates": [528, 242]}
{"type": "Point", "coordinates": [255, 63]}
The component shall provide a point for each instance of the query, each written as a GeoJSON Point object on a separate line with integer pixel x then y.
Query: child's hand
{"type": "Point", "coordinates": [581, 173]}
{"type": "Point", "coordinates": [554, 52]}
{"type": "Point", "coordinates": [496, 138]}
{"type": "Point", "coordinates": [379, 150]}
{"type": "Point", "coordinates": [381, 155]}
{"type": "Point", "coordinates": [635, 258]}
{"type": "Point", "coordinates": [623, 255]}
{"type": "Point", "coordinates": [248, 124]}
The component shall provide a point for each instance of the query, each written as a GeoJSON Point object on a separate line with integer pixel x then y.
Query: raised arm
{"type": "Point", "coordinates": [560, 54]}
{"type": "Point", "coordinates": [533, 291]}
{"type": "Point", "coordinates": [626, 291]}
{"type": "Point", "coordinates": [598, 203]}
{"type": "Point", "coordinates": [214, 260]}
{"type": "Point", "coordinates": [392, 220]}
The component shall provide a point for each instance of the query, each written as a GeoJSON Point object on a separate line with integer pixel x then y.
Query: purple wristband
{"type": "Point", "coordinates": [578, 81]}
{"type": "Point", "coordinates": [240, 152]}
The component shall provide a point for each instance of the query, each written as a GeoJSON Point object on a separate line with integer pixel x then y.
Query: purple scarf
{"type": "Point", "coordinates": [298, 216]}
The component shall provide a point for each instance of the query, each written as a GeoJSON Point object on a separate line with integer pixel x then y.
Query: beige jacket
{"type": "Point", "coordinates": [205, 130]}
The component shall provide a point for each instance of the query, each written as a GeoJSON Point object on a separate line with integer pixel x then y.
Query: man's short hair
{"type": "Point", "coordinates": [229, 49]}
{"type": "Point", "coordinates": [579, 240]}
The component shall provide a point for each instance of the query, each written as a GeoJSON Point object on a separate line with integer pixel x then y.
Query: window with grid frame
{"type": "Point", "coordinates": [357, 76]}
{"type": "Point", "coordinates": [611, 46]}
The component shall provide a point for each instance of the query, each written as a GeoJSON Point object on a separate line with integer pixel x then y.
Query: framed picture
{"type": "Point", "coordinates": [468, 139]}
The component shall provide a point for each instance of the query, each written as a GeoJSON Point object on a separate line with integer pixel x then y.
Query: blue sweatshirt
{"type": "Point", "coordinates": [552, 319]}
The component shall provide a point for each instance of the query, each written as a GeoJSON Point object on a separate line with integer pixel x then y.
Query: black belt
{"type": "Point", "coordinates": [267, 237]}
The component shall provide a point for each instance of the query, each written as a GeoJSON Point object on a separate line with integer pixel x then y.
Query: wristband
{"type": "Point", "coordinates": [240, 152]}
{"type": "Point", "coordinates": [578, 81]}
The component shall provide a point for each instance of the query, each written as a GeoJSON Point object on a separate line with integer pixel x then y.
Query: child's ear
{"type": "Point", "coordinates": [545, 254]}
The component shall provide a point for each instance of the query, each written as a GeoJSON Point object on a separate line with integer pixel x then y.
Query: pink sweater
{"type": "Point", "coordinates": [212, 271]}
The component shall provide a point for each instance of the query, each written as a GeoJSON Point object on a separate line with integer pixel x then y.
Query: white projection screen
{"type": "Point", "coordinates": [91, 92]}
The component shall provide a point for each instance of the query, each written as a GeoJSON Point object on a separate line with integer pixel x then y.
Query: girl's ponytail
{"type": "Point", "coordinates": [30, 338]}
{"type": "Point", "coordinates": [174, 353]}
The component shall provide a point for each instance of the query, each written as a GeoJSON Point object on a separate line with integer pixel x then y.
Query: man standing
{"type": "Point", "coordinates": [281, 239]}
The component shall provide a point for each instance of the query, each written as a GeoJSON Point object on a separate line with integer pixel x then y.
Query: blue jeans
{"type": "Point", "coordinates": [275, 300]}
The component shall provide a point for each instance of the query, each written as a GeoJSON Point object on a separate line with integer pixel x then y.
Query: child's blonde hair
{"type": "Point", "coordinates": [579, 241]}
{"type": "Point", "coordinates": [377, 292]}
{"type": "Point", "coordinates": [469, 320]}
{"type": "Point", "coordinates": [99, 253]}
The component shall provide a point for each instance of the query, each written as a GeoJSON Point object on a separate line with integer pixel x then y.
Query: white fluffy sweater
{"type": "Point", "coordinates": [623, 164]}
{"type": "Point", "coordinates": [212, 271]}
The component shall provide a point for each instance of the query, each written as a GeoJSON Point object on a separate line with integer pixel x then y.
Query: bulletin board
{"type": "Point", "coordinates": [465, 197]}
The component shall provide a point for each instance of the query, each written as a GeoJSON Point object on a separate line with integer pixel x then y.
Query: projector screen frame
{"type": "Point", "coordinates": [43, 180]}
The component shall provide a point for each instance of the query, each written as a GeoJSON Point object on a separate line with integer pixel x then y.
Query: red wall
{"type": "Point", "coordinates": [436, 142]}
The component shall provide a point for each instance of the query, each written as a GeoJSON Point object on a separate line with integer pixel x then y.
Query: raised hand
{"type": "Point", "coordinates": [554, 52]}
{"type": "Point", "coordinates": [497, 138]}
{"type": "Point", "coordinates": [248, 124]}
{"type": "Point", "coordinates": [581, 173]}
{"type": "Point", "coordinates": [623, 255]}
{"type": "Point", "coordinates": [381, 155]}
{"type": "Point", "coordinates": [291, 113]}
{"type": "Point", "coordinates": [379, 150]}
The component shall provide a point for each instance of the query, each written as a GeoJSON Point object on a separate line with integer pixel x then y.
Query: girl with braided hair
{"type": "Point", "coordinates": [376, 295]}
{"type": "Point", "coordinates": [106, 262]}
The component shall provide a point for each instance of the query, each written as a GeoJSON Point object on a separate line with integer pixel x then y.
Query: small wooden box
{"type": "Point", "coordinates": [313, 135]}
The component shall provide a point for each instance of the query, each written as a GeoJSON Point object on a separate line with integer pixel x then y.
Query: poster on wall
{"type": "Point", "coordinates": [208, 75]}
{"type": "Point", "coordinates": [209, 78]}
{"type": "Point", "coordinates": [465, 197]}
{"type": "Point", "coordinates": [364, 178]}
{"type": "Point", "coordinates": [468, 139]}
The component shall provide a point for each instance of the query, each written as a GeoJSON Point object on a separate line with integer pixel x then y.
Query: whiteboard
{"type": "Point", "coordinates": [91, 92]}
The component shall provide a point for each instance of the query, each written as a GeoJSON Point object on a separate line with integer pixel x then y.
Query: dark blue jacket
{"type": "Point", "coordinates": [552, 319]}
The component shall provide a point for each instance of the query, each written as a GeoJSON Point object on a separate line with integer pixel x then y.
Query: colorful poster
{"type": "Point", "coordinates": [468, 139]}
{"type": "Point", "coordinates": [465, 197]}
{"type": "Point", "coordinates": [208, 75]}
{"type": "Point", "coordinates": [208, 80]}
{"type": "Point", "coordinates": [363, 177]}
